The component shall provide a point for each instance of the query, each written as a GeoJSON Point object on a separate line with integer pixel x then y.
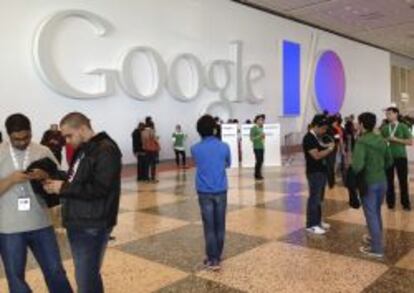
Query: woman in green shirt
{"type": "Point", "coordinates": [257, 137]}
{"type": "Point", "coordinates": [178, 142]}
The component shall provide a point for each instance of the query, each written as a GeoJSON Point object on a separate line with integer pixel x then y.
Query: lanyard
{"type": "Point", "coordinates": [75, 168]}
{"type": "Point", "coordinates": [393, 131]}
{"type": "Point", "coordinates": [16, 165]}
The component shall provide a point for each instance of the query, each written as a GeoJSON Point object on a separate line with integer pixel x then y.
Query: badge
{"type": "Point", "coordinates": [23, 204]}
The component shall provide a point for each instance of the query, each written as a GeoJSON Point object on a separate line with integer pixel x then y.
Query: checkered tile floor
{"type": "Point", "coordinates": [159, 242]}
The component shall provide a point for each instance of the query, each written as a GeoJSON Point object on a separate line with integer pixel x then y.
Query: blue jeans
{"type": "Point", "coordinates": [43, 244]}
{"type": "Point", "coordinates": [88, 249]}
{"type": "Point", "coordinates": [371, 204]}
{"type": "Point", "coordinates": [317, 183]}
{"type": "Point", "coordinates": [213, 213]}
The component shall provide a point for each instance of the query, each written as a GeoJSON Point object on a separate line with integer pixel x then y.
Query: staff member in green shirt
{"type": "Point", "coordinates": [398, 137]}
{"type": "Point", "coordinates": [257, 137]}
{"type": "Point", "coordinates": [370, 159]}
{"type": "Point", "coordinates": [179, 138]}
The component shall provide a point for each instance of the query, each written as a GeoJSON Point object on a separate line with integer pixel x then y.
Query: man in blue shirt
{"type": "Point", "coordinates": [212, 157]}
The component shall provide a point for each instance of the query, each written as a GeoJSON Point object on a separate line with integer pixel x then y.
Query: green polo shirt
{"type": "Point", "coordinates": [179, 138]}
{"type": "Point", "coordinates": [398, 150]}
{"type": "Point", "coordinates": [256, 136]}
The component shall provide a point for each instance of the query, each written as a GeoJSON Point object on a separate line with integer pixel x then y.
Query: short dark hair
{"type": "Point", "coordinates": [261, 116]}
{"type": "Point", "coordinates": [320, 120]}
{"type": "Point", "coordinates": [17, 122]}
{"type": "Point", "coordinates": [148, 119]}
{"type": "Point", "coordinates": [368, 120]}
{"type": "Point", "coordinates": [206, 125]}
{"type": "Point", "coordinates": [75, 120]}
{"type": "Point", "coordinates": [393, 109]}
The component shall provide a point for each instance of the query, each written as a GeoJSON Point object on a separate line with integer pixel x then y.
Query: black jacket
{"type": "Point", "coordinates": [137, 141]}
{"type": "Point", "coordinates": [91, 200]}
{"type": "Point", "coordinates": [51, 168]}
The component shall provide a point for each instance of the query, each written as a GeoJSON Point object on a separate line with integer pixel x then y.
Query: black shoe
{"type": "Point", "coordinates": [407, 208]}
{"type": "Point", "coordinates": [391, 207]}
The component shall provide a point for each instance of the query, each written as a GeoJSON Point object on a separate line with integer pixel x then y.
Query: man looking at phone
{"type": "Point", "coordinates": [24, 222]}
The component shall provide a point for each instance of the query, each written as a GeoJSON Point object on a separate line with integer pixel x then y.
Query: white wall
{"type": "Point", "coordinates": [201, 27]}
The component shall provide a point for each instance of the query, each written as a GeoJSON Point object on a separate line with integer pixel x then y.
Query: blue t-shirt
{"type": "Point", "coordinates": [211, 157]}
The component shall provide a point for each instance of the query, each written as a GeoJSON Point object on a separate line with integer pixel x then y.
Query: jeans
{"type": "Point", "coordinates": [179, 153]}
{"type": "Point", "coordinates": [330, 164]}
{"type": "Point", "coordinates": [371, 204]}
{"type": "Point", "coordinates": [317, 183]}
{"type": "Point", "coordinates": [213, 213]}
{"type": "Point", "coordinates": [141, 169]}
{"type": "Point", "coordinates": [401, 165]}
{"type": "Point", "coordinates": [152, 158]}
{"type": "Point", "coordinates": [88, 249]}
{"type": "Point", "coordinates": [45, 249]}
{"type": "Point", "coordinates": [259, 154]}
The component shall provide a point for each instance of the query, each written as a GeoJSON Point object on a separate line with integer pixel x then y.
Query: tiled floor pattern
{"type": "Point", "coordinates": [159, 241]}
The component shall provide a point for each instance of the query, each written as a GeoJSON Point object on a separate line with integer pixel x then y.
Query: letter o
{"type": "Point", "coordinates": [157, 73]}
{"type": "Point", "coordinates": [196, 78]}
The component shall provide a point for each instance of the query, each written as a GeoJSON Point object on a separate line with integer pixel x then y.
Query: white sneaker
{"type": "Point", "coordinates": [316, 230]}
{"type": "Point", "coordinates": [366, 239]}
{"type": "Point", "coordinates": [368, 252]}
{"type": "Point", "coordinates": [325, 226]}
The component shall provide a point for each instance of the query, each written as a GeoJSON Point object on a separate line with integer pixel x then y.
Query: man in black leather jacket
{"type": "Point", "coordinates": [90, 198]}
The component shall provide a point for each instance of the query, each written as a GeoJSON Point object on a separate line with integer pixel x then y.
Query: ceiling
{"type": "Point", "coordinates": [388, 24]}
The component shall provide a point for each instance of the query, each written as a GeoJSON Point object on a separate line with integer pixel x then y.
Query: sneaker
{"type": "Point", "coordinates": [325, 226]}
{"type": "Point", "coordinates": [366, 239]}
{"type": "Point", "coordinates": [316, 230]}
{"type": "Point", "coordinates": [214, 266]}
{"type": "Point", "coordinates": [206, 263]}
{"type": "Point", "coordinates": [368, 252]}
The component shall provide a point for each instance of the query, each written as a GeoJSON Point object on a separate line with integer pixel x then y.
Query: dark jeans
{"type": "Point", "coordinates": [213, 213]}
{"type": "Point", "coordinates": [179, 153]}
{"type": "Point", "coordinates": [401, 165]}
{"type": "Point", "coordinates": [330, 165]}
{"type": "Point", "coordinates": [259, 154]}
{"type": "Point", "coordinates": [141, 167]}
{"type": "Point", "coordinates": [317, 183]}
{"type": "Point", "coordinates": [152, 158]}
{"type": "Point", "coordinates": [88, 249]}
{"type": "Point", "coordinates": [371, 204]}
{"type": "Point", "coordinates": [45, 249]}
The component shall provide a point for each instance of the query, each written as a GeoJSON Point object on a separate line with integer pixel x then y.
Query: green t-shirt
{"type": "Point", "coordinates": [403, 132]}
{"type": "Point", "coordinates": [372, 155]}
{"type": "Point", "coordinates": [257, 137]}
{"type": "Point", "coordinates": [179, 139]}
